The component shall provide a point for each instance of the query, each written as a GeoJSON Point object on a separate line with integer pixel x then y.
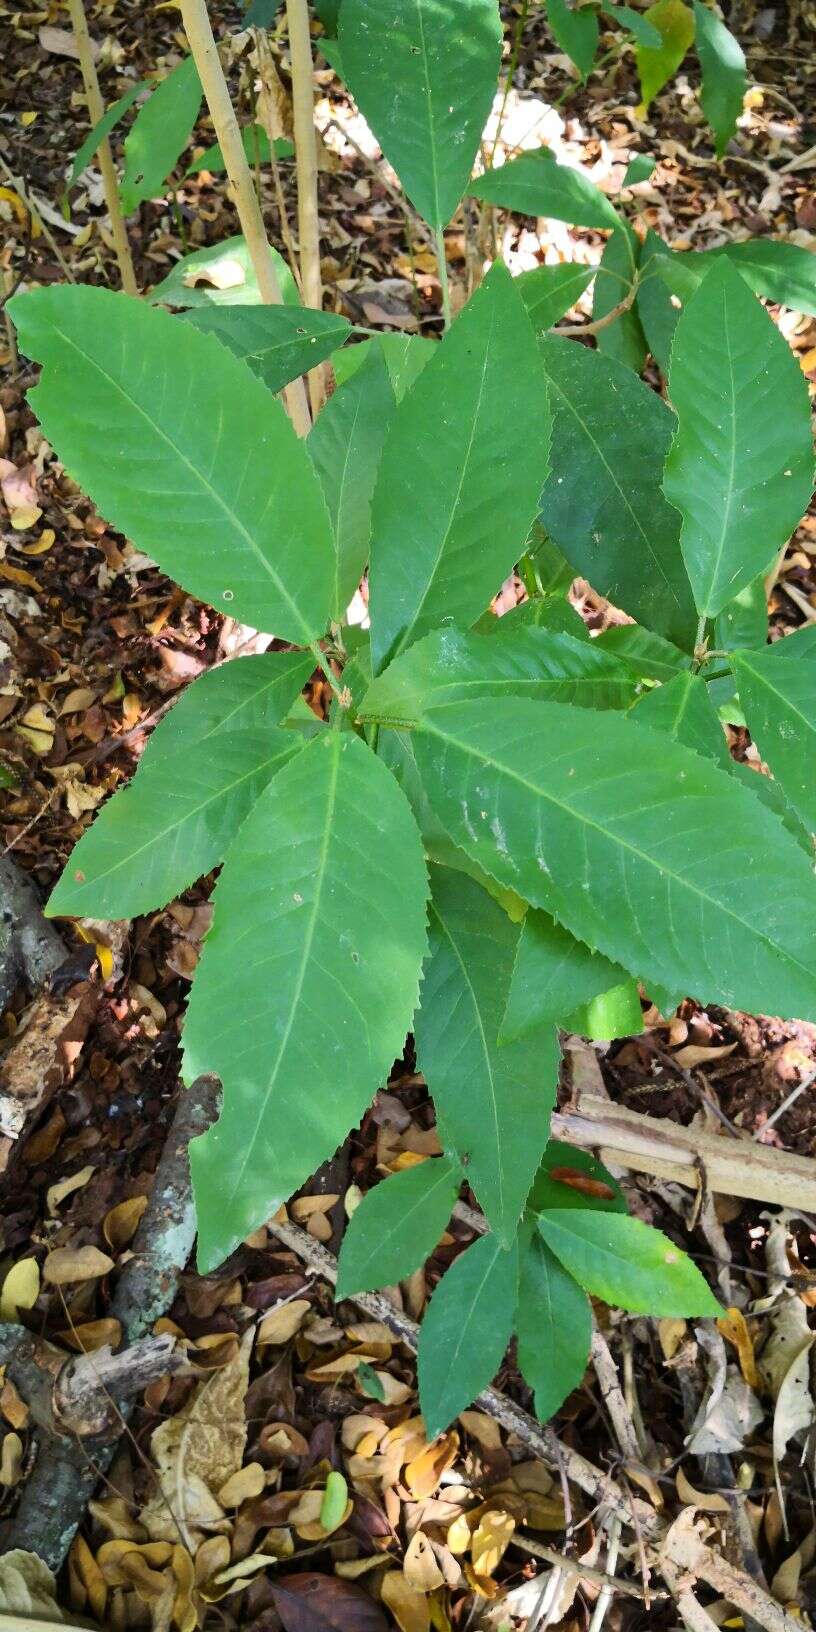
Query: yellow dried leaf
{"type": "Point", "coordinates": [76, 701]}
{"type": "Point", "coordinates": [11, 1459]}
{"type": "Point", "coordinates": [409, 1608]}
{"type": "Point", "coordinates": [305, 1516]}
{"type": "Point", "coordinates": [113, 1513]}
{"type": "Point", "coordinates": [734, 1329]}
{"type": "Point", "coordinates": [93, 1335]}
{"type": "Point", "coordinates": [419, 1566]}
{"type": "Point", "coordinates": [235, 1577]}
{"type": "Point", "coordinates": [120, 1224]}
{"type": "Point", "coordinates": [21, 1288]}
{"type": "Point", "coordinates": [23, 517]}
{"type": "Point", "coordinates": [306, 1206]}
{"type": "Point", "coordinates": [66, 1264]}
{"type": "Point", "coordinates": [66, 1187]}
{"type": "Point", "coordinates": [459, 1533]}
{"type": "Point", "coordinates": [281, 1324]}
{"type": "Point", "coordinates": [707, 1503]}
{"type": "Point", "coordinates": [14, 1408]}
{"type": "Point", "coordinates": [86, 1567]}
{"type": "Point", "coordinates": [351, 1569]}
{"type": "Point", "coordinates": [242, 1486]}
{"type": "Point", "coordinates": [482, 1428]}
{"type": "Point", "coordinates": [671, 1332]}
{"type": "Point", "coordinates": [112, 1555]}
{"type": "Point", "coordinates": [424, 1472]}
{"type": "Point", "coordinates": [41, 545]}
{"type": "Point", "coordinates": [482, 1585]}
{"type": "Point", "coordinates": [490, 1540]}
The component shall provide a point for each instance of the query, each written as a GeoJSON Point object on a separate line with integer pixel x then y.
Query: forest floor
{"type": "Point", "coordinates": [94, 645]}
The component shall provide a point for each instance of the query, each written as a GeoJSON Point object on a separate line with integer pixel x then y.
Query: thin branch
{"type": "Point", "coordinates": [205, 52]}
{"type": "Point", "coordinates": [300, 51]}
{"type": "Point", "coordinates": [96, 109]}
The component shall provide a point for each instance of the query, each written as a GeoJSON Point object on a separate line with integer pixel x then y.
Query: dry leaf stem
{"type": "Point", "coordinates": [202, 44]}
{"type": "Point", "coordinates": [96, 109]}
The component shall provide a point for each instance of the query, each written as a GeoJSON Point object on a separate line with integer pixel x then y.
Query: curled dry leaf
{"type": "Point", "coordinates": [734, 1329]}
{"type": "Point", "coordinates": [120, 1225]}
{"type": "Point", "coordinates": [424, 1472]}
{"type": "Point", "coordinates": [28, 1589]}
{"type": "Point", "coordinates": [58, 1192]}
{"type": "Point", "coordinates": [707, 1502]}
{"type": "Point", "coordinates": [242, 1486]}
{"type": "Point", "coordinates": [93, 1335]}
{"type": "Point", "coordinates": [409, 1608]}
{"type": "Point", "coordinates": [93, 1588]}
{"type": "Point", "coordinates": [67, 1264]}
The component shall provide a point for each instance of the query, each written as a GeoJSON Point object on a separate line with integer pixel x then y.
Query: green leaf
{"type": "Point", "coordinates": [613, 1013]}
{"type": "Point", "coordinates": [640, 168]}
{"type": "Point", "coordinates": [209, 477]}
{"type": "Point", "coordinates": [623, 338]}
{"type": "Point", "coordinates": [335, 1500]}
{"type": "Point", "coordinates": [740, 469]}
{"type": "Point", "coordinates": [554, 1327]}
{"type": "Point", "coordinates": [627, 1263]}
{"type": "Point", "coordinates": [260, 13]}
{"type": "Point", "coordinates": [576, 32]}
{"type": "Point", "coordinates": [256, 146]}
{"type": "Point", "coordinates": [801, 644]}
{"type": "Point", "coordinates": [555, 804]}
{"type": "Point", "coordinates": [493, 1104]}
{"type": "Point", "coordinates": [329, 13]}
{"type": "Point", "coordinates": [567, 1177]}
{"type": "Point", "coordinates": [770, 794]}
{"type": "Point", "coordinates": [535, 184]}
{"type": "Point", "coordinates": [173, 823]}
{"type": "Point", "coordinates": [345, 447]}
{"type": "Point", "coordinates": [369, 1382]}
{"type": "Point", "coordinates": [674, 21]}
{"type": "Point", "coordinates": [441, 57]}
{"type": "Point", "coordinates": [603, 503]}
{"type": "Point", "coordinates": [460, 474]}
{"type": "Point", "coordinates": [682, 708]}
{"type": "Point", "coordinates": [725, 79]}
{"type": "Point", "coordinates": [778, 695]}
{"type": "Point", "coordinates": [550, 291]}
{"type": "Point", "coordinates": [103, 127]}
{"type": "Point", "coordinates": [744, 621]}
{"type": "Point", "coordinates": [277, 342]}
{"type": "Point", "coordinates": [318, 936]}
{"type": "Point", "coordinates": [221, 275]}
{"type": "Point", "coordinates": [647, 656]}
{"type": "Point", "coordinates": [397, 1226]}
{"type": "Point", "coordinates": [159, 134]}
{"type": "Point", "coordinates": [661, 269]}
{"type": "Point", "coordinates": [246, 694]}
{"type": "Point", "coordinates": [405, 357]}
{"type": "Point", "coordinates": [467, 1327]}
{"type": "Point", "coordinates": [447, 666]}
{"type": "Point", "coordinates": [637, 24]}
{"type": "Point", "coordinates": [782, 272]}
{"type": "Point", "coordinates": [553, 975]}
{"type": "Point", "coordinates": [552, 611]}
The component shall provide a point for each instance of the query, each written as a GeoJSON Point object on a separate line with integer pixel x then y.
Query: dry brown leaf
{"type": "Point", "coordinates": [420, 1566]}
{"type": "Point", "coordinates": [112, 1555]}
{"type": "Point", "coordinates": [21, 1288]}
{"type": "Point", "coordinates": [707, 1503]}
{"type": "Point", "coordinates": [94, 1334]}
{"type": "Point", "coordinates": [483, 1585]}
{"type": "Point", "coordinates": [424, 1472]}
{"type": "Point", "coordinates": [120, 1225]}
{"type": "Point", "coordinates": [66, 1187]}
{"type": "Point", "coordinates": [66, 1264]}
{"type": "Point", "coordinates": [695, 1054]}
{"type": "Point", "coordinates": [350, 1569]}
{"type": "Point", "coordinates": [671, 1332]}
{"type": "Point", "coordinates": [490, 1540]}
{"type": "Point", "coordinates": [482, 1428]}
{"type": "Point", "coordinates": [213, 1555]}
{"type": "Point", "coordinates": [14, 1408]}
{"type": "Point", "coordinates": [282, 1323]}
{"type": "Point", "coordinates": [11, 1459]}
{"type": "Point", "coordinates": [306, 1206]}
{"type": "Point", "coordinates": [93, 1581]}
{"type": "Point", "coordinates": [734, 1328]}
{"type": "Point", "coordinates": [360, 1426]}
{"type": "Point", "coordinates": [409, 1608]}
{"type": "Point", "coordinates": [248, 1482]}
{"type": "Point", "coordinates": [114, 1515]}
{"type": "Point", "coordinates": [305, 1516]}
{"type": "Point", "coordinates": [197, 1451]}
{"type": "Point", "coordinates": [235, 1577]}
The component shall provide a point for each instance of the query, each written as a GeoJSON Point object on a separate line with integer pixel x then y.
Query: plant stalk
{"type": "Point", "coordinates": [96, 109]}
{"type": "Point", "coordinates": [205, 52]}
{"type": "Point", "coordinates": [300, 50]}
{"type": "Point", "coordinates": [442, 267]}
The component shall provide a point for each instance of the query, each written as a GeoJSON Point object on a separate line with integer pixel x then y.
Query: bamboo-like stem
{"type": "Point", "coordinates": [300, 50]}
{"type": "Point", "coordinates": [96, 109]}
{"type": "Point", "coordinates": [205, 52]}
{"type": "Point", "coordinates": [442, 268]}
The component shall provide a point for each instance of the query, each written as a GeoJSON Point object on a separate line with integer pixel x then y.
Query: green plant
{"type": "Point", "coordinates": [504, 825]}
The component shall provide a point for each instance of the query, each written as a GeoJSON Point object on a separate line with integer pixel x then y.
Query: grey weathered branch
{"type": "Point", "coordinates": [65, 1475]}
{"type": "Point", "coordinates": [30, 948]}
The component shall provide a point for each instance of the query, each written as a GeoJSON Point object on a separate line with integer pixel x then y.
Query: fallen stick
{"type": "Point", "coordinates": [645, 1144]}
{"type": "Point", "coordinates": [30, 947]}
{"type": "Point", "coordinates": [55, 1497]}
{"type": "Point", "coordinates": [74, 1396]}
{"type": "Point", "coordinates": [685, 1549]}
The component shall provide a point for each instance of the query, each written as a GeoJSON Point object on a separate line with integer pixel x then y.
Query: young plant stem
{"type": "Point", "coordinates": [300, 50]}
{"type": "Point", "coordinates": [442, 265]}
{"type": "Point", "coordinates": [96, 109]}
{"type": "Point", "coordinates": [512, 65]}
{"type": "Point", "coordinates": [700, 653]}
{"type": "Point", "coordinates": [205, 52]}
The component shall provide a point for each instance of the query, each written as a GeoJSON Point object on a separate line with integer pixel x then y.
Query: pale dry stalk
{"type": "Point", "coordinates": [96, 109]}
